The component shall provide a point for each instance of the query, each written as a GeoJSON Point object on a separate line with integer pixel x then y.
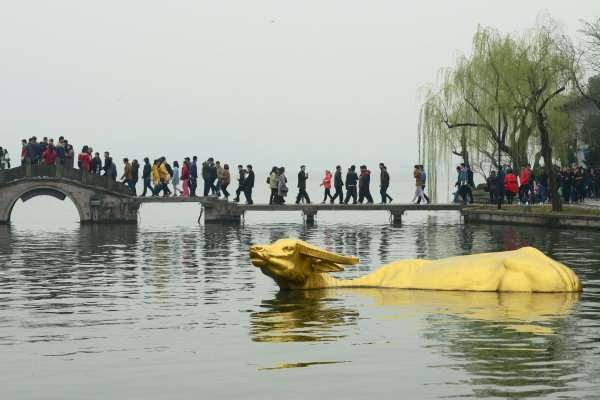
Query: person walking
{"type": "Point", "coordinates": [578, 177]}
{"type": "Point", "coordinates": [418, 185]}
{"type": "Point", "coordinates": [351, 181]}
{"type": "Point", "coordinates": [96, 164]}
{"type": "Point", "coordinates": [225, 180]}
{"type": "Point", "coordinates": [69, 154]}
{"type": "Point", "coordinates": [241, 182]}
{"type": "Point", "coordinates": [219, 175]}
{"type": "Point", "coordinates": [302, 177]}
{"type": "Point", "coordinates": [23, 152]}
{"type": "Point", "coordinates": [524, 185]}
{"type": "Point", "coordinates": [510, 185]}
{"type": "Point", "coordinates": [491, 186]}
{"type": "Point", "coordinates": [326, 183]}
{"type": "Point", "coordinates": [470, 183]}
{"type": "Point", "coordinates": [249, 185]}
{"type": "Point", "coordinates": [282, 189]}
{"type": "Point", "coordinates": [193, 176]}
{"type": "Point", "coordinates": [500, 187]}
{"type": "Point", "coordinates": [127, 177]}
{"type": "Point", "coordinates": [175, 178]}
{"type": "Point", "coordinates": [49, 156]}
{"type": "Point", "coordinates": [147, 177]}
{"type": "Point", "coordinates": [338, 184]}
{"type": "Point", "coordinates": [84, 160]}
{"type": "Point", "coordinates": [206, 178]}
{"type": "Point", "coordinates": [384, 184]}
{"type": "Point", "coordinates": [165, 177]}
{"type": "Point", "coordinates": [185, 177]}
{"type": "Point", "coordinates": [135, 176]}
{"type": "Point", "coordinates": [155, 178]}
{"type": "Point", "coordinates": [423, 182]}
{"type": "Point", "coordinates": [107, 164]}
{"type": "Point", "coordinates": [364, 183]}
{"type": "Point", "coordinates": [5, 159]}
{"type": "Point", "coordinates": [273, 181]}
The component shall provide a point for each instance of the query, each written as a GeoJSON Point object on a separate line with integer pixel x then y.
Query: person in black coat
{"type": "Point", "coordinates": [302, 177]}
{"type": "Point", "coordinates": [338, 184]}
{"type": "Point", "coordinates": [351, 181]}
{"type": "Point", "coordinates": [384, 184]}
{"type": "Point", "coordinates": [193, 176]}
{"type": "Point", "coordinates": [147, 176]}
{"type": "Point", "coordinates": [500, 187]}
{"type": "Point", "coordinates": [96, 164]}
{"type": "Point", "coordinates": [249, 184]}
{"type": "Point", "coordinates": [364, 182]}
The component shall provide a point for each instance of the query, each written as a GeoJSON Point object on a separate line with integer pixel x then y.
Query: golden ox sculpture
{"type": "Point", "coordinates": [295, 264]}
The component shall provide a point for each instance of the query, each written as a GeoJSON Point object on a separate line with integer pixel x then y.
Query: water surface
{"type": "Point", "coordinates": [172, 309]}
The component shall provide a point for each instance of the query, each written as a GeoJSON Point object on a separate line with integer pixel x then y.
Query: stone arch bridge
{"type": "Point", "coordinates": [97, 198]}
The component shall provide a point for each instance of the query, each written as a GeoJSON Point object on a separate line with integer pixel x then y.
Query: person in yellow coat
{"type": "Point", "coordinates": [165, 177]}
{"type": "Point", "coordinates": [155, 178]}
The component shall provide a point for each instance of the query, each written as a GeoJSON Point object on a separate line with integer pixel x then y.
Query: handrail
{"type": "Point", "coordinates": [8, 176]}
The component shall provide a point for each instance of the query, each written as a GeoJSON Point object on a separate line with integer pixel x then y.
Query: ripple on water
{"type": "Point", "coordinates": [128, 306]}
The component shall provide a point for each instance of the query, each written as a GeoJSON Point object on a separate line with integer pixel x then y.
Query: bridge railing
{"type": "Point", "coordinates": [58, 171]}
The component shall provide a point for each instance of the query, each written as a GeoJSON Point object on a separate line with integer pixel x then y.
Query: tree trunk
{"type": "Point", "coordinates": [547, 155]}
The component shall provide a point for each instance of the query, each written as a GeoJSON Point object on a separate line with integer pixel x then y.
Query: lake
{"type": "Point", "coordinates": [173, 309]}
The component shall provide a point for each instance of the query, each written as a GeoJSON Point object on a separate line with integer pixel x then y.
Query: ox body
{"type": "Point", "coordinates": [295, 264]}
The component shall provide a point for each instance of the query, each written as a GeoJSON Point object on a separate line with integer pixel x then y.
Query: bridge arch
{"type": "Point", "coordinates": [28, 193]}
{"type": "Point", "coordinates": [96, 199]}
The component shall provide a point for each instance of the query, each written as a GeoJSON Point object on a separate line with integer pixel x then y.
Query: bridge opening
{"type": "Point", "coordinates": [44, 207]}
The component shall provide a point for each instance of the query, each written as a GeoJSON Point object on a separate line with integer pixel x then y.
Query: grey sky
{"type": "Point", "coordinates": [268, 82]}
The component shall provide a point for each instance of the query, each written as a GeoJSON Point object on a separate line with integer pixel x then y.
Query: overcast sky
{"type": "Point", "coordinates": [267, 82]}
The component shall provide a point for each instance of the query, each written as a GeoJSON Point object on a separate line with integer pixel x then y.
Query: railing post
{"type": "Point", "coordinates": [28, 169]}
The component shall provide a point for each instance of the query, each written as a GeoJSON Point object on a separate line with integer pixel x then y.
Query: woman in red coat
{"type": "Point", "coordinates": [84, 160]}
{"type": "Point", "coordinates": [326, 183]}
{"type": "Point", "coordinates": [510, 185]}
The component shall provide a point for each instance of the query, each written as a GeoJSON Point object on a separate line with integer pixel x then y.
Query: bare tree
{"type": "Point", "coordinates": [591, 31]}
{"type": "Point", "coordinates": [585, 59]}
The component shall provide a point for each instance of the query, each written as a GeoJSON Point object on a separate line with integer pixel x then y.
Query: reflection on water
{"type": "Point", "coordinates": [85, 306]}
{"type": "Point", "coordinates": [302, 316]}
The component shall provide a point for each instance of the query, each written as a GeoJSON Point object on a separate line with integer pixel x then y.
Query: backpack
{"type": "Point", "coordinates": [169, 169]}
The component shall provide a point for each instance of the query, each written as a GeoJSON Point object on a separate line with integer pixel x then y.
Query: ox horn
{"type": "Point", "coordinates": [317, 252]}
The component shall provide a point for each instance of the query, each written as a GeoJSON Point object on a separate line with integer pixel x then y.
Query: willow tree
{"type": "Point", "coordinates": [542, 81]}
{"type": "Point", "coordinates": [485, 107]}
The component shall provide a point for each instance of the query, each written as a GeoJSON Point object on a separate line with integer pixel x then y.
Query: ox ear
{"type": "Point", "coordinates": [325, 266]}
{"type": "Point", "coordinates": [324, 255]}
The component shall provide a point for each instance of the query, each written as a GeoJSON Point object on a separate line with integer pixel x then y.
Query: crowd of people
{"type": "Point", "coordinates": [160, 177]}
{"type": "Point", "coordinates": [574, 183]}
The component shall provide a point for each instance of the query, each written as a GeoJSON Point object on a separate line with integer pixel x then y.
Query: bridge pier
{"type": "Point", "coordinates": [397, 217]}
{"type": "Point", "coordinates": [309, 216]}
{"type": "Point", "coordinates": [110, 210]}
{"type": "Point", "coordinates": [221, 212]}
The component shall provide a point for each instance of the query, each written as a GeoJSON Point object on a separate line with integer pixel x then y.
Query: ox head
{"type": "Point", "coordinates": [291, 262]}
